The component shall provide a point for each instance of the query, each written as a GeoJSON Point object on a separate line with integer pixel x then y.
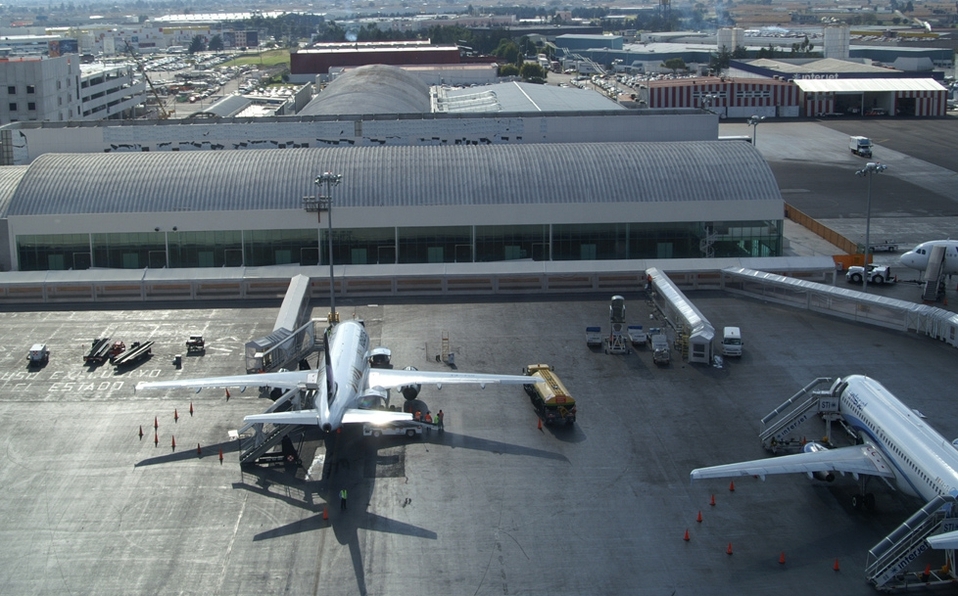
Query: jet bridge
{"type": "Point", "coordinates": [693, 329]}
{"type": "Point", "coordinates": [293, 336]}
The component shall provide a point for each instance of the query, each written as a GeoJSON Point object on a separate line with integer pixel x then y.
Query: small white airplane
{"type": "Point", "coordinates": [346, 385]}
{"type": "Point", "coordinates": [897, 447]}
{"type": "Point", "coordinates": [917, 258]}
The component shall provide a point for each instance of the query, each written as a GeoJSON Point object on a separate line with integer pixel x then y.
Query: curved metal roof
{"type": "Point", "coordinates": [9, 180]}
{"type": "Point", "coordinates": [582, 173]}
{"type": "Point", "coordinates": [372, 89]}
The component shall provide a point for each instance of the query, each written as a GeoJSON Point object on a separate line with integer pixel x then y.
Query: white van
{"type": "Point", "coordinates": [731, 341]}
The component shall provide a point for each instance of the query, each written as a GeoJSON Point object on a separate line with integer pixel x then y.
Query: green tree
{"type": "Point", "coordinates": [675, 64]}
{"type": "Point", "coordinates": [216, 43]}
{"type": "Point", "coordinates": [197, 44]}
{"type": "Point", "coordinates": [720, 61]}
{"type": "Point", "coordinates": [507, 50]}
{"type": "Point", "coordinates": [508, 70]}
{"type": "Point", "coordinates": [532, 72]}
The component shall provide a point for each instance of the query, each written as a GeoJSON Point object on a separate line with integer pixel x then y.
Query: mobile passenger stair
{"type": "Point", "coordinates": [806, 403]}
{"type": "Point", "coordinates": [138, 351]}
{"type": "Point", "coordinates": [933, 281]}
{"type": "Point", "coordinates": [255, 448]}
{"type": "Point", "coordinates": [887, 565]}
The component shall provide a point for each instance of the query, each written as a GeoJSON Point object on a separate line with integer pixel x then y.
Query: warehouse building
{"type": "Point", "coordinates": [407, 204]}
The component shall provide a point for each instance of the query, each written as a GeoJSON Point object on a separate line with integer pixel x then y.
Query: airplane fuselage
{"type": "Point", "coordinates": [348, 350]}
{"type": "Point", "coordinates": [924, 463]}
{"type": "Point", "coordinates": [917, 258]}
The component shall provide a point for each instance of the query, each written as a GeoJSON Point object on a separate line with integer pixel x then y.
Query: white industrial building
{"type": "Point", "coordinates": [380, 105]}
{"type": "Point", "coordinates": [60, 89]}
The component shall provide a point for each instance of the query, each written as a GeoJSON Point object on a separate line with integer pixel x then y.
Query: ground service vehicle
{"type": "Point", "coordinates": [550, 399]}
{"type": "Point", "coordinates": [659, 345]}
{"type": "Point", "coordinates": [195, 343]}
{"type": "Point", "coordinates": [877, 274]}
{"type": "Point", "coordinates": [860, 146]}
{"type": "Point", "coordinates": [886, 246]}
{"type": "Point", "coordinates": [38, 355]}
{"type": "Point", "coordinates": [100, 351]}
{"type": "Point", "coordinates": [593, 336]}
{"type": "Point", "coordinates": [731, 341]}
{"type": "Point", "coordinates": [410, 429]}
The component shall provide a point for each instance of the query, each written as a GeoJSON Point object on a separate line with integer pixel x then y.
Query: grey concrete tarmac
{"type": "Point", "coordinates": [493, 506]}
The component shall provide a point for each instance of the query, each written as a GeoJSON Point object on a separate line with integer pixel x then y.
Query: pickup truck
{"type": "Point", "coordinates": [877, 274]}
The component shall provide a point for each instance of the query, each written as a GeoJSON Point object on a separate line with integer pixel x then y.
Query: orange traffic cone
{"type": "Point", "coordinates": [221, 456]}
{"type": "Point", "coordinates": [926, 575]}
{"type": "Point", "coordinates": [227, 395]}
{"type": "Point", "coordinates": [731, 486]}
{"type": "Point", "coordinates": [156, 440]}
{"type": "Point", "coordinates": [156, 423]}
{"type": "Point", "coordinates": [173, 442]}
{"type": "Point", "coordinates": [712, 501]}
{"type": "Point", "coordinates": [699, 517]}
{"type": "Point", "coordinates": [728, 551]}
{"type": "Point", "coordinates": [325, 513]}
{"type": "Point", "coordinates": [141, 432]}
{"type": "Point", "coordinates": [686, 537]}
{"type": "Point", "coordinates": [176, 415]}
{"type": "Point", "coordinates": [835, 566]}
{"type": "Point", "coordinates": [540, 423]}
{"type": "Point", "coordinates": [191, 408]}
{"type": "Point", "coordinates": [781, 558]}
{"type": "Point", "coordinates": [199, 451]}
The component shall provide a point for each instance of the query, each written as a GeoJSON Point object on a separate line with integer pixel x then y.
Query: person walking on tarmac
{"type": "Point", "coordinates": [342, 499]}
{"type": "Point", "coordinates": [439, 417]}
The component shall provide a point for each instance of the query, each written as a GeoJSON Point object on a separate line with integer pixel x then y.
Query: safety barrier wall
{"type": "Point", "coordinates": [820, 229]}
{"type": "Point", "coordinates": [138, 286]}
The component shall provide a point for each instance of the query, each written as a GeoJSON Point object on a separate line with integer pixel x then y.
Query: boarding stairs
{"type": "Point", "coordinates": [784, 419]}
{"type": "Point", "coordinates": [258, 444]}
{"type": "Point", "coordinates": [936, 259]}
{"type": "Point", "coordinates": [888, 560]}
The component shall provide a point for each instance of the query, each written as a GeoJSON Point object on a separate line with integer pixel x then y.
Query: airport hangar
{"type": "Point", "coordinates": [395, 205]}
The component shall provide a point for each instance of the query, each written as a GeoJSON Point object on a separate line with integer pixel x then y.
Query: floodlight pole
{"type": "Point", "coordinates": [329, 180]}
{"type": "Point", "coordinates": [869, 169]}
{"type": "Point", "coordinates": [754, 121]}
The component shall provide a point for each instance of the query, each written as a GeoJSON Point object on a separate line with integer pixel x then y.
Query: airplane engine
{"type": "Point", "coordinates": [823, 476]}
{"type": "Point", "coordinates": [410, 392]}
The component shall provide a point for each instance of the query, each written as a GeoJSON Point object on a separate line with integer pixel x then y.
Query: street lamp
{"type": "Point", "coordinates": [754, 122]}
{"type": "Point", "coordinates": [870, 168]}
{"type": "Point", "coordinates": [318, 204]}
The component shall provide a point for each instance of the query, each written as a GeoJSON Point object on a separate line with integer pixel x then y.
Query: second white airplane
{"type": "Point", "coordinates": [917, 258]}
{"type": "Point", "coordinates": [342, 388]}
{"type": "Point", "coordinates": [897, 446]}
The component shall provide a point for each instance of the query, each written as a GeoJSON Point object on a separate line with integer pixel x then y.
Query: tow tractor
{"type": "Point", "coordinates": [195, 343]}
{"type": "Point", "coordinates": [877, 274]}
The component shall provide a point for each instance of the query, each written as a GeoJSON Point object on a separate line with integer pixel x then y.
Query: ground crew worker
{"type": "Point", "coordinates": [342, 499]}
{"type": "Point", "coordinates": [417, 416]}
{"type": "Point", "coordinates": [428, 418]}
{"type": "Point", "coordinates": [439, 417]}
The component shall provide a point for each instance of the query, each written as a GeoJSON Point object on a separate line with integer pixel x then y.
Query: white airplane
{"type": "Point", "coordinates": [917, 258]}
{"type": "Point", "coordinates": [897, 447]}
{"type": "Point", "coordinates": [347, 383]}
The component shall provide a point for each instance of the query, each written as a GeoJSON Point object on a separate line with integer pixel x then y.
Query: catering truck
{"type": "Point", "coordinates": [731, 341]}
{"type": "Point", "coordinates": [860, 146]}
{"type": "Point", "coordinates": [550, 399]}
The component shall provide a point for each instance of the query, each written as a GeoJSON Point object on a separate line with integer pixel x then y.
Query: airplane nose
{"type": "Point", "coordinates": [908, 260]}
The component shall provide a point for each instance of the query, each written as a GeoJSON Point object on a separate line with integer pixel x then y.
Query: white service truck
{"type": "Point", "coordinates": [877, 274]}
{"type": "Point", "coordinates": [731, 341]}
{"type": "Point", "coordinates": [860, 146]}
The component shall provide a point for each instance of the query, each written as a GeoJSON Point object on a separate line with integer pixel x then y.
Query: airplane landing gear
{"type": "Point", "coordinates": [863, 500]}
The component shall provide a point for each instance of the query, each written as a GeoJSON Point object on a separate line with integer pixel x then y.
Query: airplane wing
{"type": "Point", "coordinates": [944, 541]}
{"type": "Point", "coordinates": [857, 459]}
{"type": "Point", "coordinates": [376, 417]}
{"type": "Point", "coordinates": [286, 380]}
{"type": "Point", "coordinates": [390, 379]}
{"type": "Point", "coordinates": [309, 417]}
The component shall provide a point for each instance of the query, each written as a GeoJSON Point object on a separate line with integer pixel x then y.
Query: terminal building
{"type": "Point", "coordinates": [395, 205]}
